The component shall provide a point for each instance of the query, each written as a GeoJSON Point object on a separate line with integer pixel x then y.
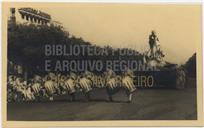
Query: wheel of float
{"type": "Point", "coordinates": [180, 79]}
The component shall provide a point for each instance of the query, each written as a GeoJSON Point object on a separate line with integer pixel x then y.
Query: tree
{"type": "Point", "coordinates": [191, 66]}
{"type": "Point", "coordinates": [26, 46]}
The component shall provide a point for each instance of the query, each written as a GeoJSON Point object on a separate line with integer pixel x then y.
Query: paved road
{"type": "Point", "coordinates": [147, 104]}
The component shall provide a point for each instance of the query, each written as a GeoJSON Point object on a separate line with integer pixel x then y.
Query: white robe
{"type": "Point", "coordinates": [85, 84]}
{"type": "Point", "coordinates": [70, 85]}
{"type": "Point", "coordinates": [127, 82]}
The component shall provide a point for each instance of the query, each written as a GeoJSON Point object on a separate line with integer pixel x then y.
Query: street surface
{"type": "Point", "coordinates": [147, 104]}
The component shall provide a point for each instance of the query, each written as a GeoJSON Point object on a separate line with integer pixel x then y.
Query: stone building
{"type": "Point", "coordinates": [30, 16]}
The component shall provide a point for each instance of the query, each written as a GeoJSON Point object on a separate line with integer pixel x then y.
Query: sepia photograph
{"type": "Point", "coordinates": [86, 62]}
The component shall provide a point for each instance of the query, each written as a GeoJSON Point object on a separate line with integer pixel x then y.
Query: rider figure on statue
{"type": "Point", "coordinates": [153, 39]}
{"type": "Point", "coordinates": [155, 51]}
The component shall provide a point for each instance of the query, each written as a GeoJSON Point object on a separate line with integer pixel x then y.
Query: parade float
{"type": "Point", "coordinates": [164, 74]}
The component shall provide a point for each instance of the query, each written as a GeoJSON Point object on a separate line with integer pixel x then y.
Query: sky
{"type": "Point", "coordinates": [128, 25]}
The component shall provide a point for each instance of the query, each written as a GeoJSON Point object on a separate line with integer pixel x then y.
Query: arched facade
{"type": "Point", "coordinates": [34, 16]}
{"type": "Point", "coordinates": [28, 16]}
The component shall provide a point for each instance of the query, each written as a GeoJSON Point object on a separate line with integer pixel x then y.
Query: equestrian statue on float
{"type": "Point", "coordinates": [154, 57]}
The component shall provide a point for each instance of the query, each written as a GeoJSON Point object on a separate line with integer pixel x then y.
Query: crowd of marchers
{"type": "Point", "coordinates": [55, 84]}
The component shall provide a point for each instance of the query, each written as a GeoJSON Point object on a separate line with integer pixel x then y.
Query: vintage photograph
{"type": "Point", "coordinates": [102, 62]}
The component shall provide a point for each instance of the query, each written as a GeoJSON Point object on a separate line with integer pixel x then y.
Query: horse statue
{"type": "Point", "coordinates": [154, 56]}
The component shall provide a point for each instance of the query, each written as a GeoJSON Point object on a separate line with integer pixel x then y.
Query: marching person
{"type": "Point", "coordinates": [128, 84]}
{"type": "Point", "coordinates": [88, 74]}
{"type": "Point", "coordinates": [109, 74]}
{"type": "Point", "coordinates": [70, 84]}
{"type": "Point", "coordinates": [129, 73]}
{"type": "Point", "coordinates": [61, 84]}
{"type": "Point", "coordinates": [86, 83]}
{"type": "Point", "coordinates": [49, 86]}
{"type": "Point", "coordinates": [36, 86]}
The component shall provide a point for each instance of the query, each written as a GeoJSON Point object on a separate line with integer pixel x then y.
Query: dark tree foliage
{"type": "Point", "coordinates": [25, 43]}
{"type": "Point", "coordinates": [191, 66]}
{"type": "Point", "coordinates": [26, 46]}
